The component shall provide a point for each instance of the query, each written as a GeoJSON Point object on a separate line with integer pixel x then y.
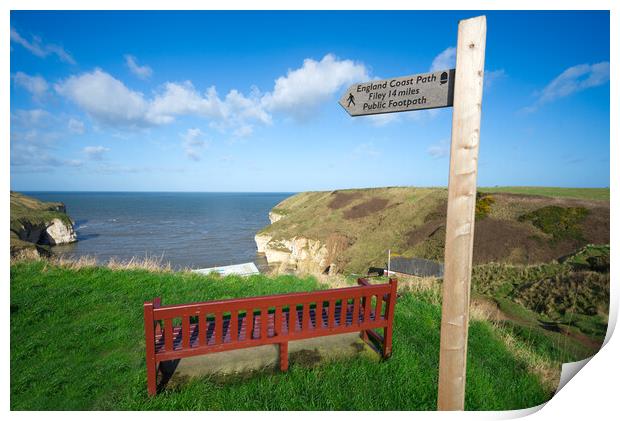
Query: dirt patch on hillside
{"type": "Point", "coordinates": [497, 240]}
{"type": "Point", "coordinates": [366, 208]}
{"type": "Point", "coordinates": [340, 199]}
{"type": "Point", "coordinates": [595, 227]}
{"type": "Point", "coordinates": [424, 232]}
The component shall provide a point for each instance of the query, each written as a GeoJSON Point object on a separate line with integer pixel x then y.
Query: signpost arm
{"type": "Point", "coordinates": [461, 212]}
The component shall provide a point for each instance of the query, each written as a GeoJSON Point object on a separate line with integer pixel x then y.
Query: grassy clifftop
{"type": "Point", "coordinates": [362, 224]}
{"type": "Point", "coordinates": [77, 342]}
{"type": "Point", "coordinates": [25, 208]}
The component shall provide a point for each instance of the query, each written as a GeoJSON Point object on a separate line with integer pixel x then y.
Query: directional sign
{"type": "Point", "coordinates": [406, 93]}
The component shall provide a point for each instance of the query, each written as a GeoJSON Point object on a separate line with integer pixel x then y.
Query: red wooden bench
{"type": "Point", "coordinates": [215, 326]}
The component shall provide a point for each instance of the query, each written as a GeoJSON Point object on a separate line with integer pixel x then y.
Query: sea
{"type": "Point", "coordinates": [188, 230]}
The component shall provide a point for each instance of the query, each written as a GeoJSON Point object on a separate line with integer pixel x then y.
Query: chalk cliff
{"type": "Point", "coordinates": [35, 223]}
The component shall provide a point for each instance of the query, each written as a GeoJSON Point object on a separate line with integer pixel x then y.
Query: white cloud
{"type": "Point", "coordinates": [182, 99]}
{"type": "Point", "coordinates": [439, 150]}
{"type": "Point", "coordinates": [379, 120]}
{"type": "Point", "coordinates": [243, 131]}
{"type": "Point", "coordinates": [76, 126]}
{"type": "Point", "coordinates": [444, 60]}
{"type": "Point", "coordinates": [572, 80]}
{"type": "Point", "coordinates": [143, 72]}
{"type": "Point", "coordinates": [194, 143]}
{"type": "Point", "coordinates": [111, 102]}
{"type": "Point", "coordinates": [39, 49]}
{"type": "Point", "coordinates": [303, 89]}
{"type": "Point", "coordinates": [34, 138]}
{"type": "Point", "coordinates": [105, 98]}
{"type": "Point", "coordinates": [95, 153]}
{"type": "Point", "coordinates": [492, 76]}
{"type": "Point", "coordinates": [31, 118]}
{"type": "Point", "coordinates": [36, 85]}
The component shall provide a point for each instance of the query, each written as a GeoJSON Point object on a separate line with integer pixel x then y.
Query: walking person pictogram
{"type": "Point", "coordinates": [351, 100]}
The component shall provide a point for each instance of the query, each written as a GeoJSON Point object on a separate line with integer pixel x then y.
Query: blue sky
{"type": "Point", "coordinates": [247, 101]}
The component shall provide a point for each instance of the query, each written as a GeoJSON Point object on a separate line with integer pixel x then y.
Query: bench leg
{"type": "Point", "coordinates": [387, 342]}
{"type": "Point", "coordinates": [151, 377]}
{"type": "Point", "coordinates": [284, 356]}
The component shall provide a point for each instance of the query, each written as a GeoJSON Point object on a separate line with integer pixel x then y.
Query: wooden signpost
{"type": "Point", "coordinates": [463, 91]}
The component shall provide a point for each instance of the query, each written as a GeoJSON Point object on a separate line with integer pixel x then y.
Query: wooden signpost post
{"type": "Point", "coordinates": [462, 89]}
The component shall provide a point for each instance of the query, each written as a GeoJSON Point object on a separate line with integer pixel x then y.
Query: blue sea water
{"type": "Point", "coordinates": [194, 230]}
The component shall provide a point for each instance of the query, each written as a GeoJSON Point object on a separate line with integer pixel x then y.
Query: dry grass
{"type": "Point", "coordinates": [545, 369]}
{"type": "Point", "coordinates": [147, 263]}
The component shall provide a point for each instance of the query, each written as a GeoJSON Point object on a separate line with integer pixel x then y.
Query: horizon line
{"type": "Point", "coordinates": [300, 191]}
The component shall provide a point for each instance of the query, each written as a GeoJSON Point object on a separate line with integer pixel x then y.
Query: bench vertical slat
{"type": "Point", "coordinates": [233, 326]}
{"type": "Point", "coordinates": [306, 317]}
{"type": "Point", "coordinates": [202, 329]}
{"type": "Point", "coordinates": [168, 335]}
{"type": "Point", "coordinates": [331, 319]}
{"type": "Point", "coordinates": [379, 307]}
{"type": "Point", "coordinates": [356, 311]}
{"type": "Point", "coordinates": [249, 324]}
{"type": "Point", "coordinates": [185, 331]}
{"type": "Point", "coordinates": [264, 322]}
{"type": "Point", "coordinates": [277, 323]}
{"type": "Point", "coordinates": [218, 329]}
{"type": "Point", "coordinates": [343, 311]}
{"type": "Point", "coordinates": [367, 302]}
{"type": "Point", "coordinates": [292, 319]}
{"type": "Point", "coordinates": [318, 315]}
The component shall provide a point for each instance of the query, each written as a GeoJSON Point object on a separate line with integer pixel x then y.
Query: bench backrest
{"type": "Point", "coordinates": [378, 313]}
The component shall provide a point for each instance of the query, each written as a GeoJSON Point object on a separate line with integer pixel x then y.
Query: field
{"type": "Point", "coordinates": [77, 343]}
{"type": "Point", "coordinates": [572, 193]}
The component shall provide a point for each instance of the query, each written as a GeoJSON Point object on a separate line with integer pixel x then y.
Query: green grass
{"type": "Point", "coordinates": [77, 342]}
{"type": "Point", "coordinates": [574, 193]}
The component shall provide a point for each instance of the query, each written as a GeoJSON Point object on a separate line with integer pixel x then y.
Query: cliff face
{"type": "Point", "coordinates": [297, 254]}
{"type": "Point", "coordinates": [275, 217]}
{"type": "Point", "coordinates": [35, 223]}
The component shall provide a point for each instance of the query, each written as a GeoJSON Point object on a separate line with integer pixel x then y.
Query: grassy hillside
{"type": "Point", "coordinates": [510, 228]}
{"type": "Point", "coordinates": [77, 343]}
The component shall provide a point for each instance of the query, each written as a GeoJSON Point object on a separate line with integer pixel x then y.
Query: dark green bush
{"type": "Point", "coordinates": [559, 222]}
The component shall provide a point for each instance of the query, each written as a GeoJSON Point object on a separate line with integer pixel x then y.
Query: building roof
{"type": "Point", "coordinates": [243, 269]}
{"type": "Point", "coordinates": [416, 266]}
